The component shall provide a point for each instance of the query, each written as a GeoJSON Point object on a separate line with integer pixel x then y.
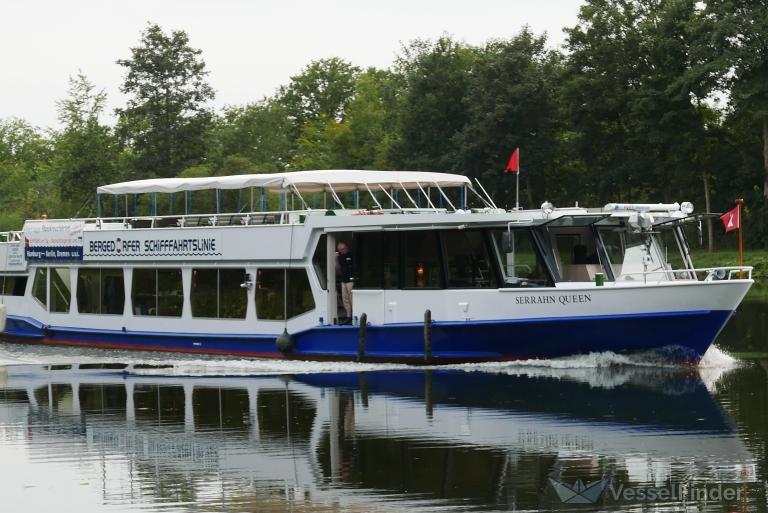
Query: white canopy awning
{"type": "Point", "coordinates": [170, 185]}
{"type": "Point", "coordinates": [303, 181]}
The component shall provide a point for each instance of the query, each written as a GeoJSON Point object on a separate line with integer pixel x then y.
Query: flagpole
{"type": "Point", "coordinates": [517, 182]}
{"type": "Point", "coordinates": [740, 202]}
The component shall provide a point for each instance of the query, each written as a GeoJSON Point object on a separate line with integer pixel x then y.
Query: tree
{"type": "Point", "coordinates": [432, 110]}
{"type": "Point", "coordinates": [631, 98]}
{"type": "Point", "coordinates": [317, 145]}
{"type": "Point", "coordinates": [323, 89]}
{"type": "Point", "coordinates": [511, 102]}
{"type": "Point", "coordinates": [735, 37]}
{"type": "Point", "coordinates": [370, 121]}
{"type": "Point", "coordinates": [165, 120]}
{"type": "Point", "coordinates": [86, 151]}
{"type": "Point", "coordinates": [26, 186]}
{"type": "Point", "coordinates": [259, 132]}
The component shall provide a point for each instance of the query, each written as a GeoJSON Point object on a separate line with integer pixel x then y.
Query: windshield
{"type": "Point", "coordinates": [520, 262]}
{"type": "Point", "coordinates": [651, 255]}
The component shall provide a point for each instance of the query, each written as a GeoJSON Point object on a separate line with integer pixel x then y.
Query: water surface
{"type": "Point", "coordinates": [91, 431]}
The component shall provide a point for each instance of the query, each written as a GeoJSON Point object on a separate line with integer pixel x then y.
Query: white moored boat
{"type": "Point", "coordinates": [433, 280]}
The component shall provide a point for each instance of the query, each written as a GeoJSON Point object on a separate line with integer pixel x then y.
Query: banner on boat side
{"type": "Point", "coordinates": [150, 246]}
{"type": "Point", "coordinates": [53, 240]}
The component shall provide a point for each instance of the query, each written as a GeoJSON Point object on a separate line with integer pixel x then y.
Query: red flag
{"type": "Point", "coordinates": [514, 162]}
{"type": "Point", "coordinates": [731, 220]}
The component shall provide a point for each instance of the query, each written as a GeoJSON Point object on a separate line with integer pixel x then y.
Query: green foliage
{"type": "Point", "coordinates": [259, 132]}
{"type": "Point", "coordinates": [511, 102]}
{"type": "Point", "coordinates": [370, 121]}
{"type": "Point", "coordinates": [323, 89]}
{"type": "Point", "coordinates": [85, 151]}
{"type": "Point", "coordinates": [432, 111]}
{"type": "Point", "coordinates": [26, 189]}
{"type": "Point", "coordinates": [629, 112]}
{"type": "Point", "coordinates": [165, 119]}
{"type": "Point", "coordinates": [316, 146]}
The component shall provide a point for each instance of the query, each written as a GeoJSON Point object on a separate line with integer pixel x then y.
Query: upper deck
{"type": "Point", "coordinates": [311, 202]}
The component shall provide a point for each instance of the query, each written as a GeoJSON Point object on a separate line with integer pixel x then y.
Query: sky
{"type": "Point", "coordinates": [250, 47]}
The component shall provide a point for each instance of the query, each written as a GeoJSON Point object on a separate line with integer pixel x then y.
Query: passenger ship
{"type": "Point", "coordinates": [435, 280]}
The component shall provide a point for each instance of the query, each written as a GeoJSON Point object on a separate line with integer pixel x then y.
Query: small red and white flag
{"type": "Point", "coordinates": [731, 220]}
{"type": "Point", "coordinates": [513, 166]}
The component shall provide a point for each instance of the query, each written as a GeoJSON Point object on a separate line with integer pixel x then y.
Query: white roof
{"type": "Point", "coordinates": [305, 181]}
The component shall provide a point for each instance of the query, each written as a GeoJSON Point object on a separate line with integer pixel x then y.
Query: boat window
{"type": "Point", "coordinates": [13, 285]}
{"type": "Point", "coordinates": [672, 251]}
{"type": "Point", "coordinates": [205, 293]}
{"type": "Point", "coordinates": [100, 291]}
{"type": "Point", "coordinates": [157, 292]}
{"type": "Point", "coordinates": [577, 257]}
{"type": "Point", "coordinates": [319, 261]}
{"type": "Point", "coordinates": [40, 286]}
{"type": "Point", "coordinates": [378, 260]}
{"type": "Point", "coordinates": [233, 297]}
{"type": "Point", "coordinates": [467, 261]}
{"type": "Point", "coordinates": [421, 259]}
{"type": "Point", "coordinates": [61, 291]}
{"type": "Point", "coordinates": [520, 261]}
{"type": "Point", "coordinates": [632, 254]}
{"type": "Point", "coordinates": [218, 293]}
{"type": "Point", "coordinates": [271, 285]}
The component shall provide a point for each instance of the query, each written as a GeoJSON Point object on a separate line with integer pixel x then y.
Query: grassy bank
{"type": "Point", "coordinates": [755, 258]}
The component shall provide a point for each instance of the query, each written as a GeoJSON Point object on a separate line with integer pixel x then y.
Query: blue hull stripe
{"type": "Point", "coordinates": [692, 331]}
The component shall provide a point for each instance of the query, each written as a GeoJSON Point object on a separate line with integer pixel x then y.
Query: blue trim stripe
{"type": "Point", "coordinates": [692, 332]}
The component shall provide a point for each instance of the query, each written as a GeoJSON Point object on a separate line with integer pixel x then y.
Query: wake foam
{"type": "Point", "coordinates": [716, 358]}
{"type": "Point", "coordinates": [600, 369]}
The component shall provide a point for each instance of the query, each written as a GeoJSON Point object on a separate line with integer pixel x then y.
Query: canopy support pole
{"type": "Point", "coordinates": [445, 196]}
{"type": "Point", "coordinates": [98, 205]}
{"type": "Point", "coordinates": [429, 201]}
{"type": "Point", "coordinates": [486, 193]}
{"type": "Point", "coordinates": [479, 196]}
{"type": "Point", "coordinates": [409, 196]}
{"type": "Point", "coordinates": [390, 197]}
{"type": "Point", "coordinates": [306, 207]}
{"type": "Point", "coordinates": [336, 197]}
{"type": "Point", "coordinates": [373, 196]}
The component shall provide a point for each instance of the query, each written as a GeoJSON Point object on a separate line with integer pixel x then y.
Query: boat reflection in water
{"type": "Point", "coordinates": [369, 441]}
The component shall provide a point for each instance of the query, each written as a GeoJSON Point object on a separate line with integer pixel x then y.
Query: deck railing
{"type": "Point", "coordinates": [702, 274]}
{"type": "Point", "coordinates": [221, 219]}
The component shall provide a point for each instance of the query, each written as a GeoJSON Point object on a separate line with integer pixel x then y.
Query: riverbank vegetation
{"type": "Point", "coordinates": [648, 100]}
{"type": "Point", "coordinates": [728, 258]}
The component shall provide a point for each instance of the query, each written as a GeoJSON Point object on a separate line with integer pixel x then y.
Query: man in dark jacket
{"type": "Point", "coordinates": [345, 268]}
